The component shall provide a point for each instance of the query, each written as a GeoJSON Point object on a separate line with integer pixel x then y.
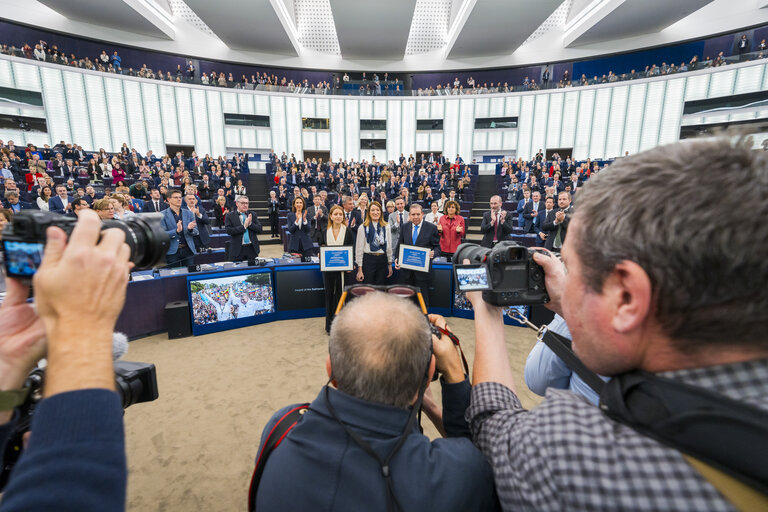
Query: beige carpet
{"type": "Point", "coordinates": [194, 447]}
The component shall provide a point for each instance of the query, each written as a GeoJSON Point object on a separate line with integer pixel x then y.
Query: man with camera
{"type": "Point", "coordinates": [75, 459]}
{"type": "Point", "coordinates": [358, 445]}
{"type": "Point", "coordinates": [675, 315]}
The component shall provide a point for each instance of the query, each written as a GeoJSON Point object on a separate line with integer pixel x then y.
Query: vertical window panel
{"type": "Point", "coordinates": [435, 142]}
{"type": "Point", "coordinates": [379, 109]}
{"type": "Point", "coordinates": [584, 124]}
{"type": "Point", "coordinates": [277, 124]}
{"type": "Point", "coordinates": [480, 141]}
{"type": "Point", "coordinates": [55, 105]}
{"type": "Point", "coordinates": [512, 106]}
{"type": "Point", "coordinates": [495, 138]}
{"type": "Point", "coordinates": [422, 141]}
{"type": "Point", "coordinates": [509, 140]}
{"type": "Point", "coordinates": [748, 79]}
{"type": "Point", "coordinates": [262, 104]}
{"type": "Point", "coordinates": [600, 123]}
{"type": "Point", "coordinates": [554, 119]}
{"type": "Point", "coordinates": [635, 109]}
{"type": "Point", "coordinates": [6, 74]}
{"type": "Point", "coordinates": [366, 109]}
{"type": "Point", "coordinates": [673, 112]}
{"type": "Point", "coordinates": [153, 125]}
{"type": "Point", "coordinates": [308, 107]}
{"type": "Point", "coordinates": [393, 128]}
{"type": "Point", "coordinates": [568, 123]}
{"type": "Point", "coordinates": [322, 108]}
{"type": "Point", "coordinates": [232, 136]}
{"type": "Point", "coordinates": [26, 76]}
{"type": "Point", "coordinates": [697, 87]}
{"type": "Point", "coordinates": [496, 108]}
{"type": "Point", "coordinates": [482, 105]}
{"type": "Point", "coordinates": [168, 112]}
{"type": "Point", "coordinates": [540, 117]}
{"type": "Point", "coordinates": [77, 108]}
{"type": "Point", "coordinates": [200, 112]}
{"type": "Point", "coordinates": [229, 102]}
{"type": "Point", "coordinates": [245, 103]}
{"type": "Point", "coordinates": [136, 130]}
{"type": "Point", "coordinates": [118, 123]}
{"type": "Point", "coordinates": [437, 109]}
{"type": "Point", "coordinates": [186, 120]}
{"type": "Point", "coordinates": [353, 116]}
{"type": "Point", "coordinates": [323, 141]}
{"type": "Point", "coordinates": [338, 149]}
{"type": "Point", "coordinates": [293, 125]}
{"type": "Point", "coordinates": [264, 138]}
{"type": "Point", "coordinates": [422, 109]}
{"type": "Point", "coordinates": [616, 121]}
{"type": "Point", "coordinates": [525, 127]}
{"type": "Point", "coordinates": [248, 137]}
{"type": "Point", "coordinates": [216, 123]}
{"type": "Point", "coordinates": [653, 107]}
{"type": "Point", "coordinates": [97, 107]}
{"type": "Point", "coordinates": [466, 127]}
{"type": "Point", "coordinates": [722, 83]}
{"type": "Point", "coordinates": [309, 140]}
{"type": "Point", "coordinates": [408, 123]}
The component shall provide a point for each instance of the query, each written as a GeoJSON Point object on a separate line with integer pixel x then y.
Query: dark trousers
{"type": "Point", "coordinates": [374, 268]}
{"type": "Point", "coordinates": [183, 257]}
{"type": "Point", "coordinates": [274, 225]}
{"type": "Point", "coordinates": [333, 289]}
{"type": "Point", "coordinates": [421, 280]}
{"type": "Point", "coordinates": [246, 253]}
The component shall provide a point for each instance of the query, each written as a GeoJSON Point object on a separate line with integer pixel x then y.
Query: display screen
{"type": "Point", "coordinates": [299, 289]}
{"type": "Point", "coordinates": [472, 277]}
{"type": "Point", "coordinates": [233, 297]}
{"type": "Point", "coordinates": [22, 258]}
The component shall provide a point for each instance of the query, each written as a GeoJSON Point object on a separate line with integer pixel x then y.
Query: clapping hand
{"type": "Point", "coordinates": [179, 227]}
{"type": "Point", "coordinates": [248, 220]}
{"type": "Point", "coordinates": [191, 225]}
{"type": "Point", "coordinates": [560, 216]}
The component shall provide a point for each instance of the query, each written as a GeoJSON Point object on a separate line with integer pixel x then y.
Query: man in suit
{"type": "Point", "coordinates": [12, 202]}
{"type": "Point", "coordinates": [203, 238]}
{"type": "Point", "coordinates": [352, 215]}
{"type": "Point", "coordinates": [422, 234]}
{"type": "Point", "coordinates": [532, 211]}
{"type": "Point", "coordinates": [541, 235]}
{"type": "Point", "coordinates": [243, 226]}
{"type": "Point", "coordinates": [396, 221]}
{"type": "Point", "coordinates": [155, 203]}
{"type": "Point", "coordinates": [61, 202]}
{"type": "Point", "coordinates": [556, 222]}
{"type": "Point", "coordinates": [181, 227]}
{"type": "Point", "coordinates": [496, 225]}
{"type": "Point", "coordinates": [317, 215]}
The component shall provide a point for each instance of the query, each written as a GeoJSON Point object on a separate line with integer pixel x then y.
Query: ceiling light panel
{"type": "Point", "coordinates": [555, 21]}
{"type": "Point", "coordinates": [429, 27]}
{"type": "Point", "coordinates": [183, 11]}
{"type": "Point", "coordinates": [315, 26]}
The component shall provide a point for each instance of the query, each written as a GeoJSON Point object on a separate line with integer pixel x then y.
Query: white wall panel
{"type": "Point", "coordinates": [118, 120]}
{"type": "Point", "coordinates": [584, 124]}
{"type": "Point", "coordinates": [394, 131]}
{"type": "Point", "coordinates": [568, 123]}
{"type": "Point", "coordinates": [353, 128]}
{"type": "Point", "coordinates": [451, 129]}
{"type": "Point", "coordinates": [554, 120]}
{"type": "Point", "coordinates": [337, 130]}
{"type": "Point", "coordinates": [216, 123]}
{"type": "Point", "coordinates": [308, 107]}
{"type": "Point", "coordinates": [263, 138]}
{"type": "Point", "coordinates": [322, 108]}
{"type": "Point", "coordinates": [77, 109]}
{"type": "Point", "coordinates": [673, 111]}
{"type": "Point", "coordinates": [309, 140]}
{"type": "Point", "coordinates": [26, 77]}
{"type": "Point", "coordinates": [245, 103]}
{"type": "Point", "coordinates": [168, 110]}
{"type": "Point", "coordinates": [654, 104]}
{"type": "Point", "coordinates": [748, 79]}
{"type": "Point", "coordinates": [437, 110]}
{"type": "Point", "coordinates": [509, 140]}
{"type": "Point", "coordinates": [480, 141]}
{"type": "Point", "coordinates": [200, 114]}
{"type": "Point", "coordinates": [495, 138]}
{"type": "Point", "coordinates": [540, 119]}
{"type": "Point", "coordinates": [55, 105]}
{"type": "Point", "coordinates": [232, 136]}
{"type": "Point", "coordinates": [466, 127]}
{"type": "Point", "coordinates": [6, 74]}
{"type": "Point", "coordinates": [496, 108]}
{"type": "Point", "coordinates": [722, 83]}
{"type": "Point", "coordinates": [293, 126]}
{"type": "Point", "coordinates": [635, 111]}
{"type": "Point", "coordinates": [323, 141]}
{"type": "Point", "coordinates": [482, 107]}
{"type": "Point", "coordinates": [229, 102]}
{"type": "Point", "coordinates": [366, 109]}
{"type": "Point", "coordinates": [525, 127]}
{"type": "Point", "coordinates": [616, 119]}
{"type": "Point", "coordinates": [600, 122]}
{"type": "Point", "coordinates": [262, 104]}
{"type": "Point", "coordinates": [136, 123]}
{"type": "Point", "coordinates": [151, 105]}
{"type": "Point", "coordinates": [97, 107]}
{"type": "Point", "coordinates": [248, 138]}
{"type": "Point", "coordinates": [422, 109]}
{"type": "Point", "coordinates": [379, 109]}
{"type": "Point", "coordinates": [512, 106]}
{"type": "Point", "coordinates": [422, 141]}
{"type": "Point", "coordinates": [186, 120]}
{"type": "Point", "coordinates": [408, 129]}
{"type": "Point", "coordinates": [277, 124]}
{"type": "Point", "coordinates": [435, 141]}
{"type": "Point", "coordinates": [696, 88]}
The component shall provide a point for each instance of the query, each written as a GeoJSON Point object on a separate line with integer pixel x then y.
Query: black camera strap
{"type": "Point", "coordinates": [720, 437]}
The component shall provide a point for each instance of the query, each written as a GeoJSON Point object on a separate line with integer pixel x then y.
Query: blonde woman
{"type": "Point", "coordinates": [373, 251]}
{"type": "Point", "coordinates": [337, 234]}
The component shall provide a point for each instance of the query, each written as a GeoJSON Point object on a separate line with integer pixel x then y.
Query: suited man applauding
{"type": "Point", "coordinates": [181, 227]}
{"type": "Point", "coordinates": [397, 219]}
{"type": "Point", "coordinates": [496, 225]}
{"type": "Point", "coordinates": [203, 240]}
{"type": "Point", "coordinates": [556, 223]}
{"type": "Point", "coordinates": [352, 215]}
{"type": "Point", "coordinates": [317, 216]}
{"type": "Point", "coordinates": [156, 202]}
{"type": "Point", "coordinates": [422, 234]}
{"type": "Point", "coordinates": [61, 203]}
{"type": "Point", "coordinates": [532, 211]}
{"type": "Point", "coordinates": [243, 226]}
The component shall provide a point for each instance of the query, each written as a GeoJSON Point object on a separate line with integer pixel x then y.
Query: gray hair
{"type": "Point", "coordinates": [701, 244]}
{"type": "Point", "coordinates": [11, 193]}
{"type": "Point", "coordinates": [376, 359]}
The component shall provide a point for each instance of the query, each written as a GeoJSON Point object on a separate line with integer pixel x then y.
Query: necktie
{"type": "Point", "coordinates": [558, 239]}
{"type": "Point", "coordinates": [496, 229]}
{"type": "Point", "coordinates": [415, 233]}
{"type": "Point", "coordinates": [157, 206]}
{"type": "Point", "coordinates": [401, 218]}
{"type": "Point", "coordinates": [246, 238]}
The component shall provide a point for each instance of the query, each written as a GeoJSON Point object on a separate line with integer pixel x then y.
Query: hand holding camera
{"type": "Point", "coordinates": [554, 278]}
{"type": "Point", "coordinates": [447, 359]}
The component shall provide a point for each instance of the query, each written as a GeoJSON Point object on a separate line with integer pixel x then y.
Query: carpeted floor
{"type": "Point", "coordinates": [194, 447]}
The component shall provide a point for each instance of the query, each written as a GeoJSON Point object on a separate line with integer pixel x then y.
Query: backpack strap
{"type": "Point", "coordinates": [743, 497]}
{"type": "Point", "coordinates": [273, 440]}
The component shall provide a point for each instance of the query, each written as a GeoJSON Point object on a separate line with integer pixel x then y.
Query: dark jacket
{"type": "Point", "coordinates": [299, 240]}
{"type": "Point", "coordinates": [235, 229]}
{"type": "Point", "coordinates": [328, 471]}
{"type": "Point", "coordinates": [502, 232]}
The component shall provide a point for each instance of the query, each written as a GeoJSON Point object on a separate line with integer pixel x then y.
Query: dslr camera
{"type": "Point", "coordinates": [506, 274]}
{"type": "Point", "coordinates": [24, 239]}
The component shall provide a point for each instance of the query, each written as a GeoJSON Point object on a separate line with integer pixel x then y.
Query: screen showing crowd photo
{"type": "Point", "coordinates": [462, 308]}
{"type": "Point", "coordinates": [230, 298]}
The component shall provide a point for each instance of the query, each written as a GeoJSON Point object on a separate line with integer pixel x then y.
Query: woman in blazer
{"type": "Point", "coordinates": [298, 227]}
{"type": "Point", "coordinates": [373, 250]}
{"type": "Point", "coordinates": [220, 210]}
{"type": "Point", "coordinates": [451, 228]}
{"type": "Point", "coordinates": [337, 234]}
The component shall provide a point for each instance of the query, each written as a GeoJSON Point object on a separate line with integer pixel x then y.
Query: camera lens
{"type": "Point", "coordinates": [472, 252]}
{"type": "Point", "coordinates": [145, 236]}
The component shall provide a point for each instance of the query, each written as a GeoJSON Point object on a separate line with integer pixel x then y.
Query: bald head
{"type": "Point", "coordinates": [387, 363]}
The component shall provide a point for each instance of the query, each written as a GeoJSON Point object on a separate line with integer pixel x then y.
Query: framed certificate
{"type": "Point", "coordinates": [336, 258]}
{"type": "Point", "coordinates": [412, 257]}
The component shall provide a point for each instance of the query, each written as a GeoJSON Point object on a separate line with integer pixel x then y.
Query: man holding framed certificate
{"type": "Point", "coordinates": [419, 243]}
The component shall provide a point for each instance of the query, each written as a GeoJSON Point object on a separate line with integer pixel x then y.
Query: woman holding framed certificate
{"type": "Point", "coordinates": [336, 235]}
{"type": "Point", "coordinates": [373, 249]}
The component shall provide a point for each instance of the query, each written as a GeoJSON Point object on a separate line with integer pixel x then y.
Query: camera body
{"type": "Point", "coordinates": [24, 239]}
{"type": "Point", "coordinates": [515, 279]}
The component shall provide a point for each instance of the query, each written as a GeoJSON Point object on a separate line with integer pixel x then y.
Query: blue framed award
{"type": "Point", "coordinates": [336, 258]}
{"type": "Point", "coordinates": [412, 257]}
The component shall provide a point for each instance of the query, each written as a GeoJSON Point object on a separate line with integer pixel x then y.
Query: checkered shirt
{"type": "Point", "coordinates": [566, 454]}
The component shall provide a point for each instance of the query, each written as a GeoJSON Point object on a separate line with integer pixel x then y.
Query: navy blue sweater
{"type": "Point", "coordinates": [75, 460]}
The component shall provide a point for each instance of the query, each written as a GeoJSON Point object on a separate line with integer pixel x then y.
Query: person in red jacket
{"type": "Point", "coordinates": [451, 228]}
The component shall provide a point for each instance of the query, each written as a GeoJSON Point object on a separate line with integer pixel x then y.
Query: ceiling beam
{"type": "Point", "coordinates": [459, 20]}
{"type": "Point", "coordinates": [155, 15]}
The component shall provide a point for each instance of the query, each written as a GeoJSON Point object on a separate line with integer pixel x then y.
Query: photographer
{"type": "Point", "coordinates": [637, 296]}
{"type": "Point", "coordinates": [378, 373]}
{"type": "Point", "coordinates": [75, 459]}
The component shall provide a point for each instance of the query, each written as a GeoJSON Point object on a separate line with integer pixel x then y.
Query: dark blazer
{"type": "Point", "coordinates": [149, 206]}
{"type": "Point", "coordinates": [502, 233]}
{"type": "Point", "coordinates": [203, 226]}
{"type": "Point", "coordinates": [236, 230]}
{"type": "Point", "coordinates": [549, 227]}
{"type": "Point", "coordinates": [55, 204]}
{"type": "Point", "coordinates": [219, 215]}
{"type": "Point", "coordinates": [316, 227]}
{"type": "Point", "coordinates": [300, 240]}
{"type": "Point", "coordinates": [356, 220]}
{"type": "Point", "coordinates": [528, 216]}
{"type": "Point", "coordinates": [428, 237]}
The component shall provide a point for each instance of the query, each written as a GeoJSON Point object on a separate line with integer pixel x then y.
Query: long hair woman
{"type": "Point", "coordinates": [337, 234]}
{"type": "Point", "coordinates": [298, 227]}
{"type": "Point", "coordinates": [44, 197]}
{"type": "Point", "coordinates": [373, 251]}
{"type": "Point", "coordinates": [451, 228]}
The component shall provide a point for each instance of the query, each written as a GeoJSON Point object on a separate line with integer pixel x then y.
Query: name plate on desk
{"type": "Point", "coordinates": [335, 259]}
{"type": "Point", "coordinates": [415, 258]}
